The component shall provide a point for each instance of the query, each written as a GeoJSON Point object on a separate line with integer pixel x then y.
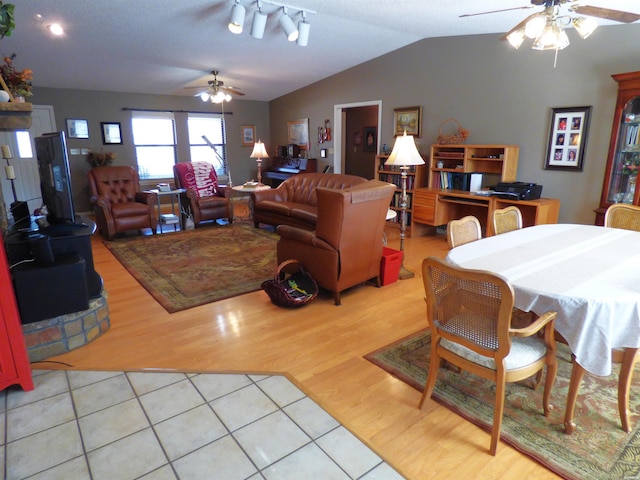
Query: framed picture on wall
{"type": "Point", "coordinates": [567, 138]}
{"type": "Point", "coordinates": [248, 135]}
{"type": "Point", "coordinates": [370, 139]}
{"type": "Point", "coordinates": [111, 133]}
{"type": "Point", "coordinates": [298, 133]}
{"type": "Point", "coordinates": [77, 128]}
{"type": "Point", "coordinates": [407, 119]}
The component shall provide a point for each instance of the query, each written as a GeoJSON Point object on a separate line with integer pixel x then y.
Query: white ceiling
{"type": "Point", "coordinates": [162, 46]}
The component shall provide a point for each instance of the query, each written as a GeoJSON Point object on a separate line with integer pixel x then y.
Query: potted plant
{"type": "Point", "coordinates": [101, 158]}
{"type": "Point", "coordinates": [18, 81]}
{"type": "Point", "coordinates": [7, 21]}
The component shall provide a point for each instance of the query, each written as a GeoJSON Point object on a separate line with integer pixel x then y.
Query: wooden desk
{"type": "Point", "coordinates": [435, 207]}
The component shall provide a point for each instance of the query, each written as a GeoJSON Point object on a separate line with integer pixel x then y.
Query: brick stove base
{"type": "Point", "coordinates": [62, 334]}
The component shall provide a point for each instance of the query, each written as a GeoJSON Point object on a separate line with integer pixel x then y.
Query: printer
{"type": "Point", "coordinates": [518, 190]}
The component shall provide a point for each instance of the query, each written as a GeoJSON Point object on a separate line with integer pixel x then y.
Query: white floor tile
{"type": "Point", "coordinates": [349, 452]}
{"type": "Point", "coordinates": [281, 390]}
{"type": "Point", "coordinates": [103, 394]}
{"type": "Point", "coordinates": [271, 438]}
{"type": "Point", "coordinates": [383, 472]}
{"type": "Point", "coordinates": [128, 458]}
{"type": "Point", "coordinates": [308, 463]}
{"type": "Point", "coordinates": [170, 401]}
{"type": "Point", "coordinates": [243, 407]}
{"type": "Point", "coordinates": [75, 469]}
{"type": "Point", "coordinates": [163, 473]}
{"type": "Point", "coordinates": [106, 426]}
{"type": "Point", "coordinates": [214, 386]}
{"type": "Point", "coordinates": [46, 385]}
{"type": "Point", "coordinates": [33, 454]}
{"type": "Point", "coordinates": [221, 460]}
{"type": "Point", "coordinates": [145, 382]}
{"type": "Point", "coordinates": [29, 419]}
{"type": "Point", "coordinates": [311, 418]}
{"type": "Point", "coordinates": [79, 379]}
{"type": "Point", "coordinates": [189, 431]}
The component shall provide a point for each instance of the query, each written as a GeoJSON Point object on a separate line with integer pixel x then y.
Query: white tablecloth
{"type": "Point", "coordinates": [590, 275]}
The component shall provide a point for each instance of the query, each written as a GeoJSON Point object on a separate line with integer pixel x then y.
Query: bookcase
{"type": "Point", "coordinates": [451, 166]}
{"type": "Point", "coordinates": [416, 177]}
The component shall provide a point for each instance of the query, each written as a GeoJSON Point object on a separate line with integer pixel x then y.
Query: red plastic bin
{"type": "Point", "coordinates": [390, 265]}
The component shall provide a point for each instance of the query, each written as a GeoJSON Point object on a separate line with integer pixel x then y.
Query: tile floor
{"type": "Point", "coordinates": [80, 425]}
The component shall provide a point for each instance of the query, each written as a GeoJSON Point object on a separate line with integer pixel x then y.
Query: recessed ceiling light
{"type": "Point", "coordinates": [56, 29]}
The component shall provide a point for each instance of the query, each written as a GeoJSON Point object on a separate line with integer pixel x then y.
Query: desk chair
{"type": "Point", "coordinates": [622, 215]}
{"type": "Point", "coordinates": [465, 230]}
{"type": "Point", "coordinates": [469, 314]}
{"type": "Point", "coordinates": [506, 220]}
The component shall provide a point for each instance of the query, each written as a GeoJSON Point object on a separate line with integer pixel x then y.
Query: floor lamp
{"type": "Point", "coordinates": [259, 152]}
{"type": "Point", "coordinates": [404, 154]}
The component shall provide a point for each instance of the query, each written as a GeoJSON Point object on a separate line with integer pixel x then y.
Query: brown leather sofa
{"type": "Point", "coordinates": [294, 202]}
{"type": "Point", "coordinates": [118, 203]}
{"type": "Point", "coordinates": [346, 247]}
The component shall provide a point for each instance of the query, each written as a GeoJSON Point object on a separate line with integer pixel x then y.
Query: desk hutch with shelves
{"type": "Point", "coordinates": [416, 177]}
{"type": "Point", "coordinates": [439, 202]}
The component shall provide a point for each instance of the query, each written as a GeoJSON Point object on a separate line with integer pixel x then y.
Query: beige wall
{"type": "Point", "coordinates": [99, 107]}
{"type": "Point", "coordinates": [501, 95]}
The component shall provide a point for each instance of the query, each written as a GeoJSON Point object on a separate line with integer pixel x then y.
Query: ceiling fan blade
{"type": "Point", "coordinates": [606, 13]}
{"type": "Point", "coordinates": [520, 25]}
{"type": "Point", "coordinates": [201, 87]}
{"type": "Point", "coordinates": [232, 91]}
{"type": "Point", "coordinates": [496, 11]}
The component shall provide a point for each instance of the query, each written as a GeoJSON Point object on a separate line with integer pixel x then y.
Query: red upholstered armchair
{"type": "Point", "coordinates": [118, 203]}
{"type": "Point", "coordinates": [346, 247]}
{"type": "Point", "coordinates": [205, 198]}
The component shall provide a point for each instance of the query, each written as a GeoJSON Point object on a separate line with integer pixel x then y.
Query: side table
{"type": "Point", "coordinates": [241, 191]}
{"type": "Point", "coordinates": [172, 218]}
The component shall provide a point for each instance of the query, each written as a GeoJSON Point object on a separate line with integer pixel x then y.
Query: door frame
{"type": "Point", "coordinates": [338, 133]}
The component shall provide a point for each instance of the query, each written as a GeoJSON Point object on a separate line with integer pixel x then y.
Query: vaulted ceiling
{"type": "Point", "coordinates": [163, 46]}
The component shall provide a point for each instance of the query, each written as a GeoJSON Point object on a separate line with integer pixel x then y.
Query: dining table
{"type": "Point", "coordinates": [590, 276]}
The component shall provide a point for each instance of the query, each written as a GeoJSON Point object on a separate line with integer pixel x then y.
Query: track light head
{"type": "Point", "coordinates": [303, 31]}
{"type": "Point", "coordinates": [288, 27]}
{"type": "Point", "coordinates": [258, 25]}
{"type": "Point", "coordinates": [237, 18]}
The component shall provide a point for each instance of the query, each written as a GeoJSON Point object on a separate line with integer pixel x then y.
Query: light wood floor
{"type": "Point", "coordinates": [321, 347]}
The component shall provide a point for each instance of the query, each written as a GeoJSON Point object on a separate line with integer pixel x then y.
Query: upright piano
{"type": "Point", "coordinates": [282, 168]}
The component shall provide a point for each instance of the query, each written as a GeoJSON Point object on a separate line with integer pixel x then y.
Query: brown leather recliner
{"type": "Point", "coordinates": [346, 247]}
{"type": "Point", "coordinates": [205, 199]}
{"type": "Point", "coordinates": [118, 203]}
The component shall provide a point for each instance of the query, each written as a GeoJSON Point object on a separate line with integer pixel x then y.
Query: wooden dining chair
{"type": "Point", "coordinates": [465, 230]}
{"type": "Point", "coordinates": [622, 215]}
{"type": "Point", "coordinates": [469, 314]}
{"type": "Point", "coordinates": [506, 219]}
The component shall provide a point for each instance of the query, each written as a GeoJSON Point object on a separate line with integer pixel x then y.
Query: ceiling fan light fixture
{"type": "Point", "coordinates": [516, 37]}
{"type": "Point", "coordinates": [535, 26]}
{"type": "Point", "coordinates": [553, 38]}
{"type": "Point", "coordinates": [237, 18]}
{"type": "Point", "coordinates": [585, 26]}
{"type": "Point", "coordinates": [204, 96]}
{"type": "Point", "coordinates": [288, 27]}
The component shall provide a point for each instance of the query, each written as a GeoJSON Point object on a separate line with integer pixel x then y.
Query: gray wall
{"type": "Point", "coordinates": [500, 94]}
{"type": "Point", "coordinates": [99, 107]}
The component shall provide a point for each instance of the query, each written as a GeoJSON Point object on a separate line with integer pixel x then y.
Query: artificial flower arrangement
{"type": "Point", "coordinates": [631, 165]}
{"type": "Point", "coordinates": [18, 81]}
{"type": "Point", "coordinates": [101, 158]}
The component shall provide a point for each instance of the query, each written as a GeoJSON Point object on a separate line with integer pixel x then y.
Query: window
{"type": "Point", "coordinates": [23, 139]}
{"type": "Point", "coordinates": [155, 140]}
{"type": "Point", "coordinates": [206, 140]}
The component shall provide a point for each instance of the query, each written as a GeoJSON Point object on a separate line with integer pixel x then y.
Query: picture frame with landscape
{"type": "Point", "coordinates": [407, 119]}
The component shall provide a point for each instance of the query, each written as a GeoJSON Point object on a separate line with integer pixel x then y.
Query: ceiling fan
{"type": "Point", "coordinates": [545, 26]}
{"type": "Point", "coordinates": [215, 91]}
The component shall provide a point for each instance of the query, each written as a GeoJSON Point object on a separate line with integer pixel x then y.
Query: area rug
{"type": "Point", "coordinates": [598, 450]}
{"type": "Point", "coordinates": [190, 268]}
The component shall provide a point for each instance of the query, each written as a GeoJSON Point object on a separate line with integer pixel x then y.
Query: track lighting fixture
{"type": "Point", "coordinates": [303, 31]}
{"type": "Point", "coordinates": [237, 18]}
{"type": "Point", "coordinates": [299, 34]}
{"type": "Point", "coordinates": [259, 22]}
{"type": "Point", "coordinates": [288, 27]}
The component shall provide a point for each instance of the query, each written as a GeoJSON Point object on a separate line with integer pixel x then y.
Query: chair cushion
{"type": "Point", "coordinates": [524, 352]}
{"type": "Point", "coordinates": [130, 209]}
{"type": "Point", "coordinates": [198, 176]}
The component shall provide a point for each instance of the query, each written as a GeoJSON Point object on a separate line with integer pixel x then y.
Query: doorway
{"type": "Point", "coordinates": [357, 137]}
